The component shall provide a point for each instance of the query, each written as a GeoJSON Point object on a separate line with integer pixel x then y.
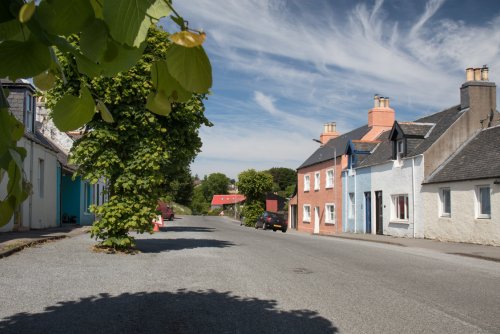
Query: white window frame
{"type": "Point", "coordinates": [442, 200]}
{"type": "Point", "coordinates": [306, 214]}
{"type": "Point", "coordinates": [352, 205]}
{"type": "Point", "coordinates": [479, 213]}
{"type": "Point", "coordinates": [41, 177]}
{"type": "Point", "coordinates": [30, 112]}
{"type": "Point", "coordinates": [395, 214]}
{"type": "Point", "coordinates": [400, 148]}
{"type": "Point", "coordinates": [307, 182]}
{"type": "Point", "coordinates": [329, 181]}
{"type": "Point", "coordinates": [330, 213]}
{"type": "Point", "coordinates": [317, 180]}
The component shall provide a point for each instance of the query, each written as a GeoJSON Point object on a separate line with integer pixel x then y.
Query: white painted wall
{"type": "Point", "coordinates": [462, 225]}
{"type": "Point", "coordinates": [392, 179]}
{"type": "Point", "coordinates": [37, 212]}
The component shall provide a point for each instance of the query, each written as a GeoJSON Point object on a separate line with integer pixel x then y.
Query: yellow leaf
{"type": "Point", "coordinates": [105, 114]}
{"type": "Point", "coordinates": [188, 39]}
{"type": "Point", "coordinates": [26, 12]}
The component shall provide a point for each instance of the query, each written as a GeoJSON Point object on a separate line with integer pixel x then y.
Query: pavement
{"type": "Point", "coordinates": [485, 252]}
{"type": "Point", "coordinates": [12, 242]}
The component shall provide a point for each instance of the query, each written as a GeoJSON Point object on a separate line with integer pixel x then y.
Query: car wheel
{"type": "Point", "coordinates": [274, 230]}
{"type": "Point", "coordinates": [283, 230]}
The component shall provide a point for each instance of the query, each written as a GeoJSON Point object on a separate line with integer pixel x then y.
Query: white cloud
{"type": "Point", "coordinates": [295, 69]}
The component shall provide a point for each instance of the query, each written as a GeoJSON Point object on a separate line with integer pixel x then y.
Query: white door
{"type": "Point", "coordinates": [316, 220]}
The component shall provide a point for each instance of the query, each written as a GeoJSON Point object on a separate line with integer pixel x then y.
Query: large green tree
{"type": "Point", "coordinates": [284, 180]}
{"type": "Point", "coordinates": [112, 36]}
{"type": "Point", "coordinates": [254, 185]}
{"type": "Point", "coordinates": [140, 152]}
{"type": "Point", "coordinates": [215, 183]}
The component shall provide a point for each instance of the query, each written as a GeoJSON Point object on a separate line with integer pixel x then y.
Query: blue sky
{"type": "Point", "coordinates": [284, 68]}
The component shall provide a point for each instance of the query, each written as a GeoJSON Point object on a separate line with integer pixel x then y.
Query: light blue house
{"type": "Point", "coordinates": [356, 184]}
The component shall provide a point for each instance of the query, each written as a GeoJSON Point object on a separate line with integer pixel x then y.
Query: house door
{"type": "Point", "coordinates": [379, 222]}
{"type": "Point", "coordinates": [316, 220]}
{"type": "Point", "coordinates": [368, 213]}
{"type": "Point", "coordinates": [293, 216]}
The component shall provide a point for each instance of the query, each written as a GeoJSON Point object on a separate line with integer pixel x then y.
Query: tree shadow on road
{"type": "Point", "coordinates": [165, 245]}
{"type": "Point", "coordinates": [186, 229]}
{"type": "Point", "coordinates": [166, 312]}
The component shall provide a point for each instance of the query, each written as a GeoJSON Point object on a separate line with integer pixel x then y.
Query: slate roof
{"type": "Point", "coordinates": [327, 152]}
{"type": "Point", "coordinates": [364, 146]}
{"type": "Point", "coordinates": [415, 146]}
{"type": "Point", "coordinates": [415, 129]}
{"type": "Point", "coordinates": [478, 158]}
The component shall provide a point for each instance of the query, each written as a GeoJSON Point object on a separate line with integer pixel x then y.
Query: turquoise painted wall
{"type": "Point", "coordinates": [71, 196]}
{"type": "Point", "coordinates": [86, 218]}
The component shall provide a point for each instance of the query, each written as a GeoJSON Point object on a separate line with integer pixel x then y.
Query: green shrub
{"type": "Point", "coordinates": [251, 213]}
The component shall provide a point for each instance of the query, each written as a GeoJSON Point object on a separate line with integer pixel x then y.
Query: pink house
{"type": "Point", "coordinates": [317, 206]}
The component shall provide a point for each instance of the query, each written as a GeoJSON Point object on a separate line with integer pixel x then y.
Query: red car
{"type": "Point", "coordinates": [167, 213]}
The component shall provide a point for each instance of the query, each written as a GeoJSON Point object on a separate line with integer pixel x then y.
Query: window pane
{"type": "Point", "coordinates": [401, 207]}
{"type": "Point", "coordinates": [485, 200]}
{"type": "Point", "coordinates": [446, 201]}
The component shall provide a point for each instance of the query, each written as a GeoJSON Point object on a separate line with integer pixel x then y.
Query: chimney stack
{"type": "Point", "coordinates": [478, 93]}
{"type": "Point", "coordinates": [329, 132]}
{"type": "Point", "coordinates": [381, 114]}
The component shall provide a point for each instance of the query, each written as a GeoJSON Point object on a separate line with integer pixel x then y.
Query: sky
{"type": "Point", "coordinates": [281, 69]}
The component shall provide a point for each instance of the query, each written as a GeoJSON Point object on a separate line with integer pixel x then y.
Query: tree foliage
{"type": "Point", "coordinates": [140, 153]}
{"type": "Point", "coordinates": [111, 39]}
{"type": "Point", "coordinates": [284, 180]}
{"type": "Point", "coordinates": [215, 183]}
{"type": "Point", "coordinates": [254, 185]}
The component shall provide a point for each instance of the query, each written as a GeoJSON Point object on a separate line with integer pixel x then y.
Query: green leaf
{"type": "Point", "coordinates": [116, 59]}
{"type": "Point", "coordinates": [127, 19]}
{"type": "Point", "coordinates": [159, 103]}
{"type": "Point", "coordinates": [27, 11]}
{"type": "Point", "coordinates": [190, 67]}
{"type": "Point", "coordinates": [44, 81]}
{"type": "Point", "coordinates": [94, 40]}
{"type": "Point", "coordinates": [6, 211]}
{"type": "Point", "coordinates": [23, 59]}
{"type": "Point", "coordinates": [97, 5]}
{"type": "Point", "coordinates": [105, 114]}
{"type": "Point", "coordinates": [72, 112]}
{"type": "Point", "coordinates": [163, 81]}
{"type": "Point", "coordinates": [63, 17]}
{"type": "Point", "coordinates": [13, 30]}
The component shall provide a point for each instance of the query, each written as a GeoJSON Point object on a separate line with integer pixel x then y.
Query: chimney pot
{"type": "Point", "coordinates": [387, 99]}
{"type": "Point", "coordinates": [469, 74]}
{"type": "Point", "coordinates": [376, 101]}
{"type": "Point", "coordinates": [484, 73]}
{"type": "Point", "coordinates": [477, 74]}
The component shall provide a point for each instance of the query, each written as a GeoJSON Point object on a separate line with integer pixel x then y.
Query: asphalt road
{"type": "Point", "coordinates": [210, 275]}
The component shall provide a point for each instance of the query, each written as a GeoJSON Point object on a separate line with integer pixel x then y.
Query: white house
{"type": "Point", "coordinates": [40, 166]}
{"type": "Point", "coordinates": [411, 152]}
{"type": "Point", "coordinates": [462, 197]}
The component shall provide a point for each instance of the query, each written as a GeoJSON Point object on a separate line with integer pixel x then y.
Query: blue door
{"type": "Point", "coordinates": [368, 213]}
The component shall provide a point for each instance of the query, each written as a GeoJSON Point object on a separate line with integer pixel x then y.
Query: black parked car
{"type": "Point", "coordinates": [272, 220]}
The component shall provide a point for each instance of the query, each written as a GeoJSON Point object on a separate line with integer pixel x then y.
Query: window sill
{"type": "Point", "coordinates": [484, 217]}
{"type": "Point", "coordinates": [329, 223]}
{"type": "Point", "coordinates": [399, 222]}
{"type": "Point", "coordinates": [328, 187]}
{"type": "Point", "coordinates": [306, 222]}
{"type": "Point", "coordinates": [444, 215]}
{"type": "Point", "coordinates": [306, 190]}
